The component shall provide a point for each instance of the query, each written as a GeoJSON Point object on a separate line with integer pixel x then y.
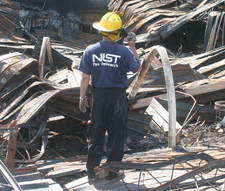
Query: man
{"type": "Point", "coordinates": [107, 63]}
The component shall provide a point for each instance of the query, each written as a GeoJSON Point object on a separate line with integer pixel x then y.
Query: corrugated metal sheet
{"type": "Point", "coordinates": [73, 40]}
{"type": "Point", "coordinates": [40, 33]}
{"type": "Point", "coordinates": [68, 8]}
{"type": "Point", "coordinates": [6, 26]}
{"type": "Point", "coordinates": [169, 28]}
{"type": "Point", "coordinates": [7, 30]}
{"type": "Point", "coordinates": [11, 4]}
{"type": "Point", "coordinates": [154, 19]}
{"type": "Point", "coordinates": [10, 9]}
{"type": "Point", "coordinates": [14, 69]}
{"type": "Point", "coordinates": [79, 39]}
{"type": "Point", "coordinates": [58, 58]}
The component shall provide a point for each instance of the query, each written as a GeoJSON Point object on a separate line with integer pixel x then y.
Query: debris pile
{"type": "Point", "coordinates": [39, 90]}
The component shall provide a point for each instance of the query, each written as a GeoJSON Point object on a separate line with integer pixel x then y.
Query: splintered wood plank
{"type": "Point", "coordinates": [206, 112]}
{"type": "Point", "coordinates": [11, 148]}
{"type": "Point", "coordinates": [144, 69]}
{"type": "Point", "coordinates": [211, 28]}
{"type": "Point", "coordinates": [181, 73]}
{"type": "Point", "coordinates": [76, 183]}
{"type": "Point", "coordinates": [157, 118]}
{"type": "Point", "coordinates": [162, 111]}
{"type": "Point", "coordinates": [198, 89]}
{"type": "Point", "coordinates": [64, 172]}
{"type": "Point", "coordinates": [170, 27]}
{"type": "Point", "coordinates": [211, 67]}
{"type": "Point", "coordinates": [53, 185]}
{"type": "Point", "coordinates": [77, 76]}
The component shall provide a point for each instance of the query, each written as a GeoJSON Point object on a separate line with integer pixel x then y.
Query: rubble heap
{"type": "Point", "coordinates": [181, 46]}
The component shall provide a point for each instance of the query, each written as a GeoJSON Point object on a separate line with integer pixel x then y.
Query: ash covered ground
{"type": "Point", "coordinates": [194, 135]}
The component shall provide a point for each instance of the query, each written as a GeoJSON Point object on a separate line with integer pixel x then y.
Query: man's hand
{"type": "Point", "coordinates": [83, 104]}
{"type": "Point", "coordinates": [132, 41]}
{"type": "Point", "coordinates": [132, 44]}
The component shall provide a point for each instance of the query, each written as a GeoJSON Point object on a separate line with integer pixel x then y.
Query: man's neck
{"type": "Point", "coordinates": [105, 38]}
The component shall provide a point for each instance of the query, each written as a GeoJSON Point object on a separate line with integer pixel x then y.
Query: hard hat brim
{"type": "Point", "coordinates": [97, 26]}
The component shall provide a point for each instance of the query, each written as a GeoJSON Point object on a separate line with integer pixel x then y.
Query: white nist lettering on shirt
{"type": "Point", "coordinates": [96, 64]}
{"type": "Point", "coordinates": [107, 64]}
{"type": "Point", "coordinates": [105, 60]}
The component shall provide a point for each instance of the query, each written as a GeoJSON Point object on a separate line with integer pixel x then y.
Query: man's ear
{"type": "Point", "coordinates": [123, 33]}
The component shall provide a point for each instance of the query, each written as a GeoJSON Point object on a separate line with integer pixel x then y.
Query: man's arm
{"type": "Point", "coordinates": [83, 104]}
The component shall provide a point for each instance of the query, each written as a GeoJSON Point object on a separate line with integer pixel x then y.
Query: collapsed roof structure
{"type": "Point", "coordinates": [39, 90]}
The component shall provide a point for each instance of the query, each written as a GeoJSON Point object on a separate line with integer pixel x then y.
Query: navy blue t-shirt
{"type": "Point", "coordinates": [108, 64]}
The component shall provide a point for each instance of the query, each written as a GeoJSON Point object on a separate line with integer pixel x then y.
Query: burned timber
{"type": "Point", "coordinates": [176, 120]}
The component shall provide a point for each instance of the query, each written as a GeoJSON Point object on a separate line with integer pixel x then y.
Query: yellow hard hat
{"type": "Point", "coordinates": [109, 25]}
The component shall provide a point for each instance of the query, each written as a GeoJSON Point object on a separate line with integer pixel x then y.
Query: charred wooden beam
{"type": "Point", "coordinates": [16, 99]}
{"type": "Point", "coordinates": [102, 170]}
{"type": "Point", "coordinates": [9, 177]}
{"type": "Point", "coordinates": [46, 46]}
{"type": "Point", "coordinates": [170, 27]}
{"type": "Point", "coordinates": [210, 32]}
{"type": "Point", "coordinates": [30, 107]}
{"type": "Point", "coordinates": [19, 145]}
{"type": "Point", "coordinates": [160, 115]}
{"type": "Point", "coordinates": [11, 148]}
{"type": "Point", "coordinates": [6, 25]}
{"type": "Point", "coordinates": [202, 93]}
{"type": "Point", "coordinates": [206, 112]}
{"type": "Point", "coordinates": [13, 69]}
